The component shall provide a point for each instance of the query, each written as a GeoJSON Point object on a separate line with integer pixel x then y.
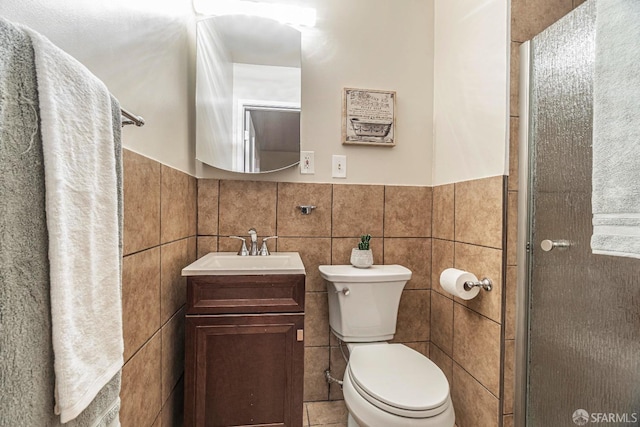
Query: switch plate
{"type": "Point", "coordinates": [339, 166]}
{"type": "Point", "coordinates": [307, 163]}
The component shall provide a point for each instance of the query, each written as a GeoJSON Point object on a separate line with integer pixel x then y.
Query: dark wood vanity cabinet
{"type": "Point", "coordinates": [244, 355]}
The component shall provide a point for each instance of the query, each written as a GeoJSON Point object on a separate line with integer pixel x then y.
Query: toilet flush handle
{"type": "Point", "coordinates": [344, 291]}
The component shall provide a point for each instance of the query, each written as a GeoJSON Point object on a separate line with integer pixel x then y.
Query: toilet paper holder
{"type": "Point", "coordinates": [485, 284]}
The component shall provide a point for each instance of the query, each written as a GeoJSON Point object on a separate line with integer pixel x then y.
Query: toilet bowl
{"type": "Point", "coordinates": [384, 385]}
{"type": "Point", "coordinates": [394, 385]}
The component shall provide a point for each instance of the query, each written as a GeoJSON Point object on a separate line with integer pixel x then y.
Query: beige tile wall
{"type": "Point", "coordinates": [159, 240]}
{"type": "Point", "coordinates": [528, 18]}
{"type": "Point", "coordinates": [425, 229]}
{"type": "Point", "coordinates": [466, 336]}
{"type": "Point", "coordinates": [398, 218]}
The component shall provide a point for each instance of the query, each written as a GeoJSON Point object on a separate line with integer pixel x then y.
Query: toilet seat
{"type": "Point", "coordinates": [398, 380]}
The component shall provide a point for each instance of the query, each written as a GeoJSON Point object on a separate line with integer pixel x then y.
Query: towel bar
{"type": "Point", "coordinates": [131, 119]}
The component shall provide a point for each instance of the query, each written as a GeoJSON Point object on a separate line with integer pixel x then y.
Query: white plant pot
{"type": "Point", "coordinates": [361, 258]}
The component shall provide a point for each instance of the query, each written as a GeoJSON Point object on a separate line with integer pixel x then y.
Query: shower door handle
{"type": "Point", "coordinates": [548, 245]}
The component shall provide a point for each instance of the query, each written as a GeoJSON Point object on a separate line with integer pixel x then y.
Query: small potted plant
{"type": "Point", "coordinates": [362, 257]}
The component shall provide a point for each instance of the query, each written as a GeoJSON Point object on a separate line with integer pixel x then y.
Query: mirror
{"type": "Point", "coordinates": [247, 94]}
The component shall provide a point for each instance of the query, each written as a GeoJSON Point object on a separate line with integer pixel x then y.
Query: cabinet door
{"type": "Point", "coordinates": [244, 370]}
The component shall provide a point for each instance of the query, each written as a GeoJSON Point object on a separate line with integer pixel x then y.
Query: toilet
{"type": "Point", "coordinates": [384, 385]}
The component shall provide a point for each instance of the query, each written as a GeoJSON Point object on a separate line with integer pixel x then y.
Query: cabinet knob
{"type": "Point", "coordinates": [300, 335]}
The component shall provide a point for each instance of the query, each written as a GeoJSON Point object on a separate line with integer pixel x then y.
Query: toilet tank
{"type": "Point", "coordinates": [363, 303]}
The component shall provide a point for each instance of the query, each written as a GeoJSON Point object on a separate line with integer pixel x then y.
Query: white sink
{"type": "Point", "coordinates": [230, 263]}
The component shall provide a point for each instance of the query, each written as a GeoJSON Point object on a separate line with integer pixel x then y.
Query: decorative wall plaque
{"type": "Point", "coordinates": [368, 117]}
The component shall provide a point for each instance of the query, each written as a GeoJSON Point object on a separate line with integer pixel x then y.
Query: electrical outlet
{"type": "Point", "coordinates": [307, 164]}
{"type": "Point", "coordinates": [339, 166]}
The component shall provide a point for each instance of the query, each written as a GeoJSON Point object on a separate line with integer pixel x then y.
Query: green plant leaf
{"type": "Point", "coordinates": [364, 242]}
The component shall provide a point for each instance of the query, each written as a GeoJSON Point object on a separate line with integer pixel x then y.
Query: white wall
{"type": "Point", "coordinates": [144, 50]}
{"type": "Point", "coordinates": [471, 90]}
{"type": "Point", "coordinates": [370, 44]}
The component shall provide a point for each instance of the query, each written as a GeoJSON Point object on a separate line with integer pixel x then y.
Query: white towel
{"type": "Point", "coordinates": [82, 221]}
{"type": "Point", "coordinates": [616, 130]}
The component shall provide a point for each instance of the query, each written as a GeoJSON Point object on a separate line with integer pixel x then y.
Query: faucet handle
{"type": "Point", "coordinates": [264, 251]}
{"type": "Point", "coordinates": [243, 249]}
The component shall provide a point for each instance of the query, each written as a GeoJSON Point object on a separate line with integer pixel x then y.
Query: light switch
{"type": "Point", "coordinates": [339, 166]}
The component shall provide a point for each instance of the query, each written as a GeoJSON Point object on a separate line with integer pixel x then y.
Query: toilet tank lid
{"type": "Point", "coordinates": [375, 273]}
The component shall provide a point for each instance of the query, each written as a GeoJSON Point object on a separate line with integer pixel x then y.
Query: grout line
{"type": "Point", "coordinates": [430, 278]}
{"type": "Point", "coordinates": [444, 352]}
{"type": "Point", "coordinates": [140, 251]}
{"type": "Point", "coordinates": [475, 244]}
{"type": "Point", "coordinates": [329, 367]}
{"type": "Point", "coordinates": [197, 204]}
{"type": "Point", "coordinates": [476, 312]}
{"type": "Point", "coordinates": [331, 228]}
{"type": "Point", "coordinates": [173, 315]}
{"type": "Point", "coordinates": [465, 243]}
{"type": "Point", "coordinates": [454, 212]}
{"type": "Point", "coordinates": [431, 222]}
{"type": "Point", "coordinates": [503, 302]}
{"type": "Point", "coordinates": [275, 232]}
{"type": "Point", "coordinates": [384, 216]}
{"type": "Point", "coordinates": [160, 205]}
{"type": "Point", "coordinates": [160, 272]}
{"type": "Point", "coordinates": [306, 411]}
{"type": "Point", "coordinates": [478, 381]}
{"type": "Point", "coordinates": [158, 246]}
{"type": "Point", "coordinates": [218, 218]}
{"type": "Point", "coordinates": [159, 331]}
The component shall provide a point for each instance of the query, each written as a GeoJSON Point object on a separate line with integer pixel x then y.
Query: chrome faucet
{"type": "Point", "coordinates": [264, 251]}
{"type": "Point", "coordinates": [254, 242]}
{"type": "Point", "coordinates": [253, 250]}
{"type": "Point", "coordinates": [243, 249]}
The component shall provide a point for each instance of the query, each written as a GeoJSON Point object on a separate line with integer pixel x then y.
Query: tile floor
{"type": "Point", "coordinates": [325, 414]}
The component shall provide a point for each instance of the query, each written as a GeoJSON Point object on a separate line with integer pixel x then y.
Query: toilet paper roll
{"type": "Point", "coordinates": [452, 280]}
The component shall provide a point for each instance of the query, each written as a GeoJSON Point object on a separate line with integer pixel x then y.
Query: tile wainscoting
{"type": "Point", "coordinates": [172, 218]}
{"type": "Point", "coordinates": [159, 240]}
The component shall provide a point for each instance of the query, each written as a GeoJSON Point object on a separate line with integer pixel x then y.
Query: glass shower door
{"type": "Point", "coordinates": [584, 309]}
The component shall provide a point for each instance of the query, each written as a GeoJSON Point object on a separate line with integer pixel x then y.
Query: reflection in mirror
{"type": "Point", "coordinates": [247, 94]}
